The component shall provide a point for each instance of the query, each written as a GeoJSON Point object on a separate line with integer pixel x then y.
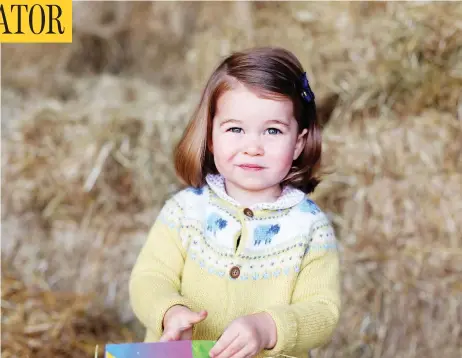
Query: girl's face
{"type": "Point", "coordinates": [254, 142]}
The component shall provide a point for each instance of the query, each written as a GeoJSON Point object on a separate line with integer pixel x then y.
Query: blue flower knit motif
{"type": "Point", "coordinates": [309, 206]}
{"type": "Point", "coordinates": [215, 223]}
{"type": "Point", "coordinates": [265, 233]}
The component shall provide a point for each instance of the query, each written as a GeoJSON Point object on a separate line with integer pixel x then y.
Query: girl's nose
{"type": "Point", "coordinates": [253, 146]}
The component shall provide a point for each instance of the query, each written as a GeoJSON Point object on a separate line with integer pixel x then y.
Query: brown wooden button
{"type": "Point", "coordinates": [248, 212]}
{"type": "Point", "coordinates": [235, 272]}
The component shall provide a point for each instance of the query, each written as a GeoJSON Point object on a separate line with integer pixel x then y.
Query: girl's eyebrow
{"type": "Point", "coordinates": [271, 121]}
{"type": "Point", "coordinates": [278, 121]}
{"type": "Point", "coordinates": [230, 120]}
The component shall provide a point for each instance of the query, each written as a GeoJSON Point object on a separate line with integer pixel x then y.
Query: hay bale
{"type": "Point", "coordinates": [88, 148]}
{"type": "Point", "coordinates": [38, 322]}
{"type": "Point", "coordinates": [395, 197]}
{"type": "Point", "coordinates": [107, 38]}
{"type": "Point", "coordinates": [377, 58]}
{"type": "Point", "coordinates": [402, 60]}
{"type": "Point", "coordinates": [85, 180]}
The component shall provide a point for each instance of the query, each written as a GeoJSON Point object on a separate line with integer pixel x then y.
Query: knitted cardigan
{"type": "Point", "coordinates": [206, 251]}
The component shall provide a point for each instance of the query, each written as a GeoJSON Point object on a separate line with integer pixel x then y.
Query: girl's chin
{"type": "Point", "coordinates": [251, 183]}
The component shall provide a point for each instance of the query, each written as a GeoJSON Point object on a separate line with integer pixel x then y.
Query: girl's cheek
{"type": "Point", "coordinates": [284, 154]}
{"type": "Point", "coordinates": [224, 152]}
{"type": "Point", "coordinates": [288, 160]}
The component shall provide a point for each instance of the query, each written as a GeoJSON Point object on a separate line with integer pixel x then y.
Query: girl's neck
{"type": "Point", "coordinates": [248, 198]}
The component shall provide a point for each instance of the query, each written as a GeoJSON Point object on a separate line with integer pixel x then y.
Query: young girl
{"type": "Point", "coordinates": [242, 255]}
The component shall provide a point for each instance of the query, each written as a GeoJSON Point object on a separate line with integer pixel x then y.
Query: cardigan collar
{"type": "Point", "coordinates": [289, 197]}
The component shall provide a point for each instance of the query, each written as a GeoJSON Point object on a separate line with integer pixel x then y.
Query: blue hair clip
{"type": "Point", "coordinates": [307, 94]}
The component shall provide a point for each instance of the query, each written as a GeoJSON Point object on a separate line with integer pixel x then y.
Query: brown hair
{"type": "Point", "coordinates": [272, 72]}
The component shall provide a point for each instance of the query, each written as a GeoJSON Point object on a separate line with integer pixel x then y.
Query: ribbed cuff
{"type": "Point", "coordinates": [287, 330]}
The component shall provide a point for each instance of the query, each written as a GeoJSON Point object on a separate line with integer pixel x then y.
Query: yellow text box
{"type": "Point", "coordinates": [35, 21]}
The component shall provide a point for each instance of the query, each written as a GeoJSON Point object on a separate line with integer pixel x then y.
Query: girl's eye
{"type": "Point", "coordinates": [274, 131]}
{"type": "Point", "coordinates": [234, 130]}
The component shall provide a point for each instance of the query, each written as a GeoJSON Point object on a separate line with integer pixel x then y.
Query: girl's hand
{"type": "Point", "coordinates": [178, 323]}
{"type": "Point", "coordinates": [246, 337]}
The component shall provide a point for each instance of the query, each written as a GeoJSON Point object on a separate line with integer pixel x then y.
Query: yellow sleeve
{"type": "Point", "coordinates": [310, 320]}
{"type": "Point", "coordinates": [155, 279]}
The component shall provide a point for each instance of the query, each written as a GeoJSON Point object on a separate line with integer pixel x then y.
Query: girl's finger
{"type": "Point", "coordinates": [197, 317]}
{"type": "Point", "coordinates": [171, 335]}
{"type": "Point", "coordinates": [223, 343]}
{"type": "Point", "coordinates": [237, 349]}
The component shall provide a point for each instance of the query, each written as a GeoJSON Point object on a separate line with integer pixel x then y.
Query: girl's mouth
{"type": "Point", "coordinates": [251, 167]}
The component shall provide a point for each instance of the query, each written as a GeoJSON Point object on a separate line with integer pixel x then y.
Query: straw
{"type": "Point", "coordinates": [38, 322]}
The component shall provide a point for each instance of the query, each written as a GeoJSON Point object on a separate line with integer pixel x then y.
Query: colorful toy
{"type": "Point", "coordinates": [174, 349]}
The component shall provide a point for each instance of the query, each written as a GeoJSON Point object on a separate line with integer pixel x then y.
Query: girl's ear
{"type": "Point", "coordinates": [300, 144]}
